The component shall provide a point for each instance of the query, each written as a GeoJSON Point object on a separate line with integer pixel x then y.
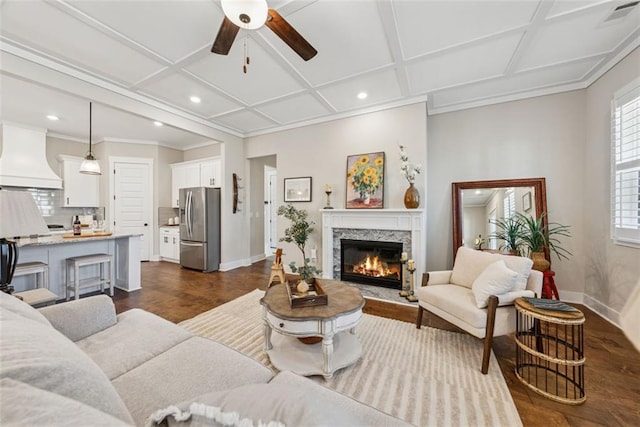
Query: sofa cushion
{"type": "Point", "coordinates": [469, 263]}
{"type": "Point", "coordinates": [13, 304]}
{"type": "Point", "coordinates": [137, 337]}
{"type": "Point", "coordinates": [81, 318]}
{"type": "Point", "coordinates": [24, 405]}
{"type": "Point", "coordinates": [38, 355]}
{"type": "Point", "coordinates": [193, 367]}
{"type": "Point", "coordinates": [274, 403]}
{"type": "Point", "coordinates": [496, 279]}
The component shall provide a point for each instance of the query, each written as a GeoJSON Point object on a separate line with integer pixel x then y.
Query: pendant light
{"type": "Point", "coordinates": [90, 165]}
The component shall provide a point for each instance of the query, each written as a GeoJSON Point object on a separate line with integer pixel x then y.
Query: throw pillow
{"type": "Point", "coordinates": [496, 279]}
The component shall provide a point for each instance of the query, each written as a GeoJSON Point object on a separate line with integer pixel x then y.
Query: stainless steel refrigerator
{"type": "Point", "coordinates": [200, 228]}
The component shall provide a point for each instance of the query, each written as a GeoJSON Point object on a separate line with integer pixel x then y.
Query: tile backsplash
{"type": "Point", "coordinates": [50, 203]}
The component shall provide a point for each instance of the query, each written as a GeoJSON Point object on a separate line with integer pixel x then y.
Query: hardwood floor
{"type": "Point", "coordinates": [612, 371]}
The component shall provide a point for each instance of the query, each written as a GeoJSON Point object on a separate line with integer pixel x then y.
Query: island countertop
{"type": "Point", "coordinates": [59, 239]}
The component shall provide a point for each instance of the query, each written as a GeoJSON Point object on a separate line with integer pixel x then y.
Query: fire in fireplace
{"type": "Point", "coordinates": [371, 262]}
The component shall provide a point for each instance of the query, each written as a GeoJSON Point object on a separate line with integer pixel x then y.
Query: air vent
{"type": "Point", "coordinates": [621, 11]}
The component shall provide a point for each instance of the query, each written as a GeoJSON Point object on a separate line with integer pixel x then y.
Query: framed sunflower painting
{"type": "Point", "coordinates": [365, 181]}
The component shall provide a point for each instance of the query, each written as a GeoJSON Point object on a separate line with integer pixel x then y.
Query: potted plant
{"type": "Point", "coordinates": [538, 237]}
{"type": "Point", "coordinates": [298, 233]}
{"type": "Point", "coordinates": [510, 232]}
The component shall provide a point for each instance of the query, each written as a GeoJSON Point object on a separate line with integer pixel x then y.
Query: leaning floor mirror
{"type": "Point", "coordinates": [477, 204]}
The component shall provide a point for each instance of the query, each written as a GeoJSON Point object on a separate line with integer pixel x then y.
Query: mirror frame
{"type": "Point", "coordinates": [540, 190]}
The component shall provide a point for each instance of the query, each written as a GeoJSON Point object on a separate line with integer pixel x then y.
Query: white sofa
{"type": "Point", "coordinates": [78, 363]}
{"type": "Point", "coordinates": [484, 314]}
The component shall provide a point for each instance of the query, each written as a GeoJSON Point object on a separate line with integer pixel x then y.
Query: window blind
{"type": "Point", "coordinates": [509, 203]}
{"type": "Point", "coordinates": [625, 165]}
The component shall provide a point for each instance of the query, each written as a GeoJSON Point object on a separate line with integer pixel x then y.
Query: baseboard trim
{"type": "Point", "coordinates": [257, 258]}
{"type": "Point", "coordinates": [603, 310]}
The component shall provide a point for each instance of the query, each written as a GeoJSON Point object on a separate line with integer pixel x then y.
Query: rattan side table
{"type": "Point", "coordinates": [550, 352]}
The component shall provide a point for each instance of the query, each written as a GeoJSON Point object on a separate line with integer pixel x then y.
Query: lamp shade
{"type": "Point", "coordinates": [249, 14]}
{"type": "Point", "coordinates": [90, 166]}
{"type": "Point", "coordinates": [19, 215]}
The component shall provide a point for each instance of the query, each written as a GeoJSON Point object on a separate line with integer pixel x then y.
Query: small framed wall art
{"type": "Point", "coordinates": [297, 189]}
{"type": "Point", "coordinates": [365, 181]}
{"type": "Point", "coordinates": [526, 201]}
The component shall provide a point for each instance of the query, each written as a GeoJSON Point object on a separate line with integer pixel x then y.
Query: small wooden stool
{"type": "Point", "coordinates": [277, 271]}
{"type": "Point", "coordinates": [73, 282]}
{"type": "Point", "coordinates": [549, 289]}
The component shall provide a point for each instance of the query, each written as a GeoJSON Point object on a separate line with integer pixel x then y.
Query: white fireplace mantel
{"type": "Point", "coordinates": [413, 221]}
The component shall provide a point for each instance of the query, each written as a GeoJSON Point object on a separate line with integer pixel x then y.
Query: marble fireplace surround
{"type": "Point", "coordinates": [407, 226]}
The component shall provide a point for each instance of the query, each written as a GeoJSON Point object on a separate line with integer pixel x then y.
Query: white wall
{"type": "Point", "coordinates": [612, 271]}
{"type": "Point", "coordinates": [321, 151]}
{"type": "Point", "coordinates": [537, 137]}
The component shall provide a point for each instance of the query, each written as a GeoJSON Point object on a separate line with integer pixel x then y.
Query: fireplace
{"type": "Point", "coordinates": [370, 262]}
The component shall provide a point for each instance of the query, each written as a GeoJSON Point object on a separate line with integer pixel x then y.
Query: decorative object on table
{"type": "Point", "coordinates": [19, 216]}
{"type": "Point", "coordinates": [298, 233]}
{"type": "Point", "coordinates": [478, 242]}
{"type": "Point", "coordinates": [409, 170]}
{"type": "Point", "coordinates": [297, 189]}
{"type": "Point", "coordinates": [327, 190]}
{"type": "Point", "coordinates": [365, 181]}
{"type": "Point", "coordinates": [90, 165]}
{"type": "Point", "coordinates": [403, 260]}
{"type": "Point", "coordinates": [277, 270]}
{"type": "Point", "coordinates": [550, 349]}
{"type": "Point", "coordinates": [87, 234]}
{"type": "Point", "coordinates": [312, 296]}
{"type": "Point", "coordinates": [411, 268]}
{"type": "Point", "coordinates": [77, 227]}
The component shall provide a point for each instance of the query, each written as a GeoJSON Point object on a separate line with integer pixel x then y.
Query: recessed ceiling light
{"type": "Point", "coordinates": [362, 95]}
{"type": "Point", "coordinates": [478, 192]}
{"type": "Point", "coordinates": [157, 123]}
{"type": "Point", "coordinates": [195, 99]}
{"type": "Point", "coordinates": [52, 117]}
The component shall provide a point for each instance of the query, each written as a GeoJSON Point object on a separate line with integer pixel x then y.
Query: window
{"type": "Point", "coordinates": [509, 203]}
{"type": "Point", "coordinates": [625, 165]}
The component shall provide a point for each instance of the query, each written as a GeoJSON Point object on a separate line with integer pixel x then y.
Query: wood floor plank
{"type": "Point", "coordinates": [612, 369]}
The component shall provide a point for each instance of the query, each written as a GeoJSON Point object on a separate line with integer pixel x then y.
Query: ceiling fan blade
{"type": "Point", "coordinates": [226, 35]}
{"type": "Point", "coordinates": [289, 35]}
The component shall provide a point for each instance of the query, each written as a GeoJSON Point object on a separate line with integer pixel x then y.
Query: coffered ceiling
{"type": "Point", "coordinates": [142, 60]}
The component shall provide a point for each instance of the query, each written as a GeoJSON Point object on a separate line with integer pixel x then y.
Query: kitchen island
{"type": "Point", "coordinates": [55, 249]}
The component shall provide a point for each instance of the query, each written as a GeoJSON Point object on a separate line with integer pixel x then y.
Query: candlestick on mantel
{"type": "Point", "coordinates": [404, 256]}
{"type": "Point", "coordinates": [327, 190]}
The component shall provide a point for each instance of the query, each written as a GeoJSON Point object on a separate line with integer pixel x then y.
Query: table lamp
{"type": "Point", "coordinates": [19, 216]}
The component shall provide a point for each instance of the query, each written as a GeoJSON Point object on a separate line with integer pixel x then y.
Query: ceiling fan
{"type": "Point", "coordinates": [251, 15]}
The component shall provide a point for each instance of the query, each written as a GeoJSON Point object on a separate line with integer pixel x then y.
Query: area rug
{"type": "Point", "coordinates": [427, 377]}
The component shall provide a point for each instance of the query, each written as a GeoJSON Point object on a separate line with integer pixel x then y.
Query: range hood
{"type": "Point", "coordinates": [23, 161]}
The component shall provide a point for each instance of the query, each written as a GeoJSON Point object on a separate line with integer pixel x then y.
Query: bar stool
{"type": "Point", "coordinates": [73, 282]}
{"type": "Point", "coordinates": [41, 295]}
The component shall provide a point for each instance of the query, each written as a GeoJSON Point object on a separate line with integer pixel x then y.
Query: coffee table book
{"type": "Point", "coordinates": [314, 296]}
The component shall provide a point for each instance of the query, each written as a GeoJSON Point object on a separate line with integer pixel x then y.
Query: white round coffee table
{"type": "Point", "coordinates": [335, 323]}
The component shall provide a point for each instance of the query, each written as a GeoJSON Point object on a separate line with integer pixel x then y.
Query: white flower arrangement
{"type": "Point", "coordinates": [408, 169]}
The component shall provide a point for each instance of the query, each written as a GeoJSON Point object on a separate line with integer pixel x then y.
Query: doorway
{"type": "Point", "coordinates": [270, 209]}
{"type": "Point", "coordinates": [131, 202]}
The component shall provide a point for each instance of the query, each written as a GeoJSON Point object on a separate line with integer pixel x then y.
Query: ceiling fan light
{"type": "Point", "coordinates": [238, 10]}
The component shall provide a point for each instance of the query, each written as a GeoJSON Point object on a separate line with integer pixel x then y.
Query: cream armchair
{"type": "Point", "coordinates": [478, 294]}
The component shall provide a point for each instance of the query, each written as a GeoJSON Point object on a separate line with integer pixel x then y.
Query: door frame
{"type": "Point", "coordinates": [136, 160]}
{"type": "Point", "coordinates": [268, 221]}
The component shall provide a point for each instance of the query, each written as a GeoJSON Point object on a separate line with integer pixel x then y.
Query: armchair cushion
{"type": "Point", "coordinates": [496, 279]}
{"type": "Point", "coordinates": [470, 263]}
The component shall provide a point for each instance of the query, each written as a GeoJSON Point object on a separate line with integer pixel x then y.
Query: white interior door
{"type": "Point", "coordinates": [270, 210]}
{"type": "Point", "coordinates": [132, 189]}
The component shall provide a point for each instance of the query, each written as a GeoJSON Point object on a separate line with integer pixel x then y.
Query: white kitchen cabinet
{"type": "Point", "coordinates": [183, 175]}
{"type": "Point", "coordinates": [211, 173]}
{"type": "Point", "coordinates": [196, 173]}
{"type": "Point", "coordinates": [170, 243]}
{"type": "Point", "coordinates": [79, 189]}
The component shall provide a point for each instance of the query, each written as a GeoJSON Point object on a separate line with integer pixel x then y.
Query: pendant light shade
{"type": "Point", "coordinates": [90, 165]}
{"type": "Point", "coordinates": [248, 14]}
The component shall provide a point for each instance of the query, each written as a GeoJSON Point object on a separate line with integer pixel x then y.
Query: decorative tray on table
{"type": "Point", "coordinates": [314, 296]}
